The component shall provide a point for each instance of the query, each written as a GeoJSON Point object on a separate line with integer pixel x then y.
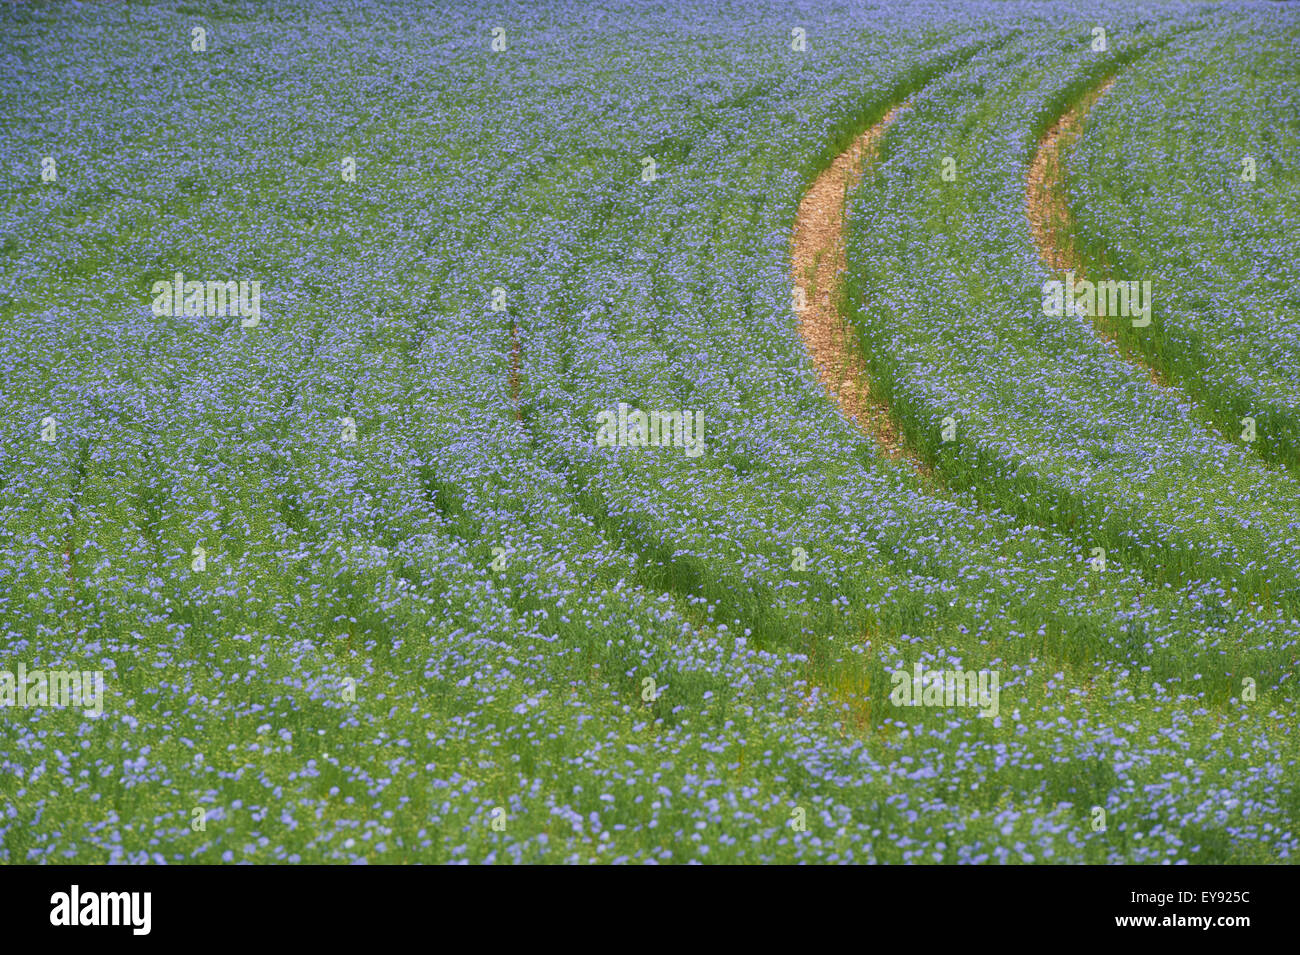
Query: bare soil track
{"type": "Point", "coordinates": [817, 265]}
{"type": "Point", "coordinates": [1048, 210]}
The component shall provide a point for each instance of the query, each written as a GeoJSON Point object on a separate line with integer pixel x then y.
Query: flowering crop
{"type": "Point", "coordinates": [366, 584]}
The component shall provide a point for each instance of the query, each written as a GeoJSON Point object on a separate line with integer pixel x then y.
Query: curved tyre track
{"type": "Point", "coordinates": [817, 264]}
{"type": "Point", "coordinates": [1048, 210]}
{"type": "Point", "coordinates": [1052, 223]}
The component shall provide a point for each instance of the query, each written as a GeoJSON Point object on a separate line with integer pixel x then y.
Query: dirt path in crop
{"type": "Point", "coordinates": [1048, 209]}
{"type": "Point", "coordinates": [1045, 199]}
{"type": "Point", "coordinates": [817, 264]}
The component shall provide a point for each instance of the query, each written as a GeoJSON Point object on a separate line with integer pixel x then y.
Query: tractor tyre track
{"type": "Point", "coordinates": [817, 265]}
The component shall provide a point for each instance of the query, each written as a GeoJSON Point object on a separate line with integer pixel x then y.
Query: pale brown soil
{"type": "Point", "coordinates": [817, 265]}
{"type": "Point", "coordinates": [1048, 209]}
